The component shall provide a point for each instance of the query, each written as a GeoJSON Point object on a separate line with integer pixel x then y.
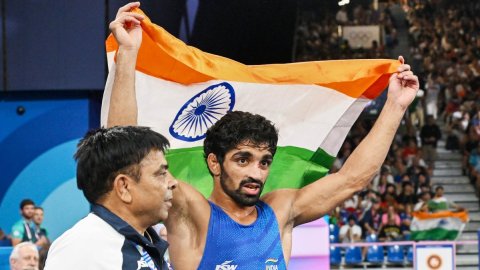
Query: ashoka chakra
{"type": "Point", "coordinates": [202, 111]}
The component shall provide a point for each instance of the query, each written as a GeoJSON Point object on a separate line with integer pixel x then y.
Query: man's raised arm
{"type": "Point", "coordinates": [318, 198]}
{"type": "Point", "coordinates": [128, 33]}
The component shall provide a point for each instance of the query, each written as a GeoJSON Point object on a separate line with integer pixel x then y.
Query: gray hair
{"type": "Point", "coordinates": [16, 250]}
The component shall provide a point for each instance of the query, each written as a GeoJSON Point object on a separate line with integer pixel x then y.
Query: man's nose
{"type": "Point", "coordinates": [256, 173]}
{"type": "Point", "coordinates": [33, 261]}
{"type": "Point", "coordinates": [172, 182]}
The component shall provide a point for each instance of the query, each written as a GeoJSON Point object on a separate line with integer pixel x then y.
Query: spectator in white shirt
{"type": "Point", "coordinates": [350, 232]}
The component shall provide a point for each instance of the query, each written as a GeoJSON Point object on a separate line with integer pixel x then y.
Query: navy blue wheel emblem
{"type": "Point", "coordinates": [202, 111]}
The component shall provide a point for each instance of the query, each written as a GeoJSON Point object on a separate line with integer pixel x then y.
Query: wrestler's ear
{"type": "Point", "coordinates": [213, 164]}
{"type": "Point", "coordinates": [122, 185]}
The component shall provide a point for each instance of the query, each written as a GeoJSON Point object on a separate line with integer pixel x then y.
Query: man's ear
{"type": "Point", "coordinates": [12, 261]}
{"type": "Point", "coordinates": [213, 164]}
{"type": "Point", "coordinates": [122, 186]}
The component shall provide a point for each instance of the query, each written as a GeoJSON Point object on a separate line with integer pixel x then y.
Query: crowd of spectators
{"type": "Point", "coordinates": [445, 55]}
{"type": "Point", "coordinates": [317, 36]}
{"type": "Point", "coordinates": [402, 185]}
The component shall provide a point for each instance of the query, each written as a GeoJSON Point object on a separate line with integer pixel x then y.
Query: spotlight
{"type": "Point", "coordinates": [20, 110]}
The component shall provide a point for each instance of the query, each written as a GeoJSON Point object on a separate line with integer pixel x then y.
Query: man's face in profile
{"type": "Point", "coordinates": [38, 216]}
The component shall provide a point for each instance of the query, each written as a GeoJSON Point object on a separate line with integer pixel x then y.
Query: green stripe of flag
{"type": "Point", "coordinates": [293, 167]}
{"type": "Point", "coordinates": [435, 234]}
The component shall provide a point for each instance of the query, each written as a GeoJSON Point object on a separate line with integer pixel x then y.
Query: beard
{"type": "Point", "coordinates": [237, 195]}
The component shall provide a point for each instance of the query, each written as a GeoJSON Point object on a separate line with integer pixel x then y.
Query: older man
{"type": "Point", "coordinates": [24, 257]}
{"type": "Point", "coordinates": [123, 173]}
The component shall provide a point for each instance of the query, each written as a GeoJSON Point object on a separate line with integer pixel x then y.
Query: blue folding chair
{"type": "Point", "coordinates": [335, 256]}
{"type": "Point", "coordinates": [353, 255]}
{"type": "Point", "coordinates": [410, 254]}
{"type": "Point", "coordinates": [4, 257]}
{"type": "Point", "coordinates": [374, 253]}
{"type": "Point", "coordinates": [333, 239]}
{"type": "Point", "coordinates": [395, 255]}
{"type": "Point", "coordinates": [334, 230]}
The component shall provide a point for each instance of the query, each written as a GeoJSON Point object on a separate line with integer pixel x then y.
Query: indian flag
{"type": "Point", "coordinates": [182, 91]}
{"type": "Point", "coordinates": [444, 225]}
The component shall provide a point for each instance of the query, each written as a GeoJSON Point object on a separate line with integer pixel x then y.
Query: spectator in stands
{"type": "Point", "coordinates": [367, 198]}
{"type": "Point", "coordinates": [381, 187]}
{"type": "Point", "coordinates": [391, 213]}
{"type": "Point", "coordinates": [372, 219]}
{"type": "Point", "coordinates": [454, 131]}
{"type": "Point", "coordinates": [422, 204]}
{"type": "Point", "coordinates": [398, 164]}
{"type": "Point", "coordinates": [469, 143]}
{"type": "Point", "coordinates": [421, 181]}
{"type": "Point", "coordinates": [388, 200]}
{"type": "Point", "coordinates": [351, 205]}
{"type": "Point", "coordinates": [416, 111]}
{"type": "Point", "coordinates": [474, 164]}
{"type": "Point", "coordinates": [406, 220]}
{"type": "Point", "coordinates": [40, 232]}
{"type": "Point", "coordinates": [342, 16]}
{"type": "Point", "coordinates": [433, 88]}
{"type": "Point", "coordinates": [380, 181]}
{"type": "Point", "coordinates": [426, 188]}
{"type": "Point", "coordinates": [4, 239]}
{"type": "Point", "coordinates": [24, 229]}
{"type": "Point", "coordinates": [350, 232]}
{"type": "Point", "coordinates": [410, 150]}
{"type": "Point", "coordinates": [440, 203]}
{"type": "Point", "coordinates": [24, 257]}
{"type": "Point", "coordinates": [391, 230]}
{"type": "Point", "coordinates": [416, 164]}
{"type": "Point", "coordinates": [408, 194]}
{"type": "Point", "coordinates": [430, 135]}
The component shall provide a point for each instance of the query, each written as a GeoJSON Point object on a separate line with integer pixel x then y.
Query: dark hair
{"type": "Point", "coordinates": [407, 183]}
{"type": "Point", "coordinates": [26, 202]}
{"type": "Point", "coordinates": [423, 194]}
{"type": "Point", "coordinates": [391, 185]}
{"type": "Point", "coordinates": [439, 187]}
{"type": "Point", "coordinates": [425, 185]}
{"type": "Point", "coordinates": [238, 127]}
{"type": "Point", "coordinates": [106, 152]}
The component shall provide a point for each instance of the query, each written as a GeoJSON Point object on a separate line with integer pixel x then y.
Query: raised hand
{"type": "Point", "coordinates": [126, 27]}
{"type": "Point", "coordinates": [403, 85]}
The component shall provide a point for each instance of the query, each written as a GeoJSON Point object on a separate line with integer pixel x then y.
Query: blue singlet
{"type": "Point", "coordinates": [232, 246]}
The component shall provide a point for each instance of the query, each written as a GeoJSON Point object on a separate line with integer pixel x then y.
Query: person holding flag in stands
{"type": "Point", "coordinates": [236, 226]}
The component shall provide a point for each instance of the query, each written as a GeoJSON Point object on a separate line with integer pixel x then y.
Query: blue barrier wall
{"type": "Point", "coordinates": [4, 258]}
{"type": "Point", "coordinates": [36, 154]}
